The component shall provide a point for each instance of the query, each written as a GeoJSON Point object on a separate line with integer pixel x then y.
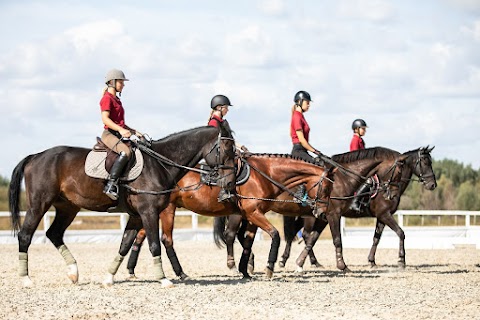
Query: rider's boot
{"type": "Point", "coordinates": [359, 195]}
{"type": "Point", "coordinates": [111, 188]}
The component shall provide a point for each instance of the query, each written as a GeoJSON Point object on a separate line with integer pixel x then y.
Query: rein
{"type": "Point", "coordinates": [311, 203]}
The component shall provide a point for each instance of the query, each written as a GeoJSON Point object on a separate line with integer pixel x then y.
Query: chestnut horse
{"type": "Point", "coordinates": [55, 177]}
{"type": "Point", "coordinates": [363, 163]}
{"type": "Point", "coordinates": [418, 162]}
{"type": "Point", "coordinates": [381, 161]}
{"type": "Point", "coordinates": [272, 177]}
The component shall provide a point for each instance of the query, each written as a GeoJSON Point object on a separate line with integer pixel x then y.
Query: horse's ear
{"type": "Point", "coordinates": [402, 158]}
{"type": "Point", "coordinates": [430, 150]}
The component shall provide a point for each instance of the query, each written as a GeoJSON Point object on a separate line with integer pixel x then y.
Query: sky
{"type": "Point", "coordinates": [410, 69]}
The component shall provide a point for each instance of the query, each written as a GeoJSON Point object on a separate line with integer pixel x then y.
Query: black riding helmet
{"type": "Point", "coordinates": [358, 123]}
{"type": "Point", "coordinates": [301, 95]}
{"type": "Point", "coordinates": [219, 100]}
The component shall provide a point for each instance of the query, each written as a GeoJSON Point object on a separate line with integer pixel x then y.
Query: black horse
{"type": "Point", "coordinates": [418, 162]}
{"type": "Point", "coordinates": [55, 177]}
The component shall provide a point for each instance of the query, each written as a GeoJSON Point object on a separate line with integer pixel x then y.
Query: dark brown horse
{"type": "Point", "coordinates": [418, 162]}
{"type": "Point", "coordinates": [272, 177]}
{"type": "Point", "coordinates": [56, 177]}
{"type": "Point", "coordinates": [381, 161]}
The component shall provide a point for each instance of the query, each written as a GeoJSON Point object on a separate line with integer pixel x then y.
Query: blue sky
{"type": "Point", "coordinates": [411, 69]}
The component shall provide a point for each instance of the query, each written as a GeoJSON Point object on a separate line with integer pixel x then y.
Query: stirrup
{"type": "Point", "coordinates": [111, 190]}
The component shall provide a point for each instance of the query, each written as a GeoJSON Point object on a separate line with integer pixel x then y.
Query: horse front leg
{"type": "Point", "coordinates": [134, 224]}
{"type": "Point", "coordinates": [168, 221]}
{"type": "Point", "coordinates": [233, 225]}
{"type": "Point", "coordinates": [135, 252]}
{"type": "Point", "coordinates": [318, 226]}
{"type": "Point", "coordinates": [291, 226]}
{"type": "Point", "coordinates": [388, 219]}
{"type": "Point", "coordinates": [376, 239]}
{"type": "Point", "coordinates": [258, 218]}
{"type": "Point", "coordinates": [334, 223]}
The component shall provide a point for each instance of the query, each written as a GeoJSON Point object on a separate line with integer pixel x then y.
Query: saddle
{"type": "Point", "coordinates": [100, 160]}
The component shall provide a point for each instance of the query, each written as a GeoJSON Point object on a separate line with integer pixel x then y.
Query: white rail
{"type": "Point", "coordinates": [100, 235]}
{"type": "Point", "coordinates": [419, 237]}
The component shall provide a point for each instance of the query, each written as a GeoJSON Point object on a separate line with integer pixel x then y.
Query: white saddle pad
{"type": "Point", "coordinates": [95, 166]}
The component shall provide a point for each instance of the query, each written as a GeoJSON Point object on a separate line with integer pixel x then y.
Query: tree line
{"type": "Point", "coordinates": [458, 189]}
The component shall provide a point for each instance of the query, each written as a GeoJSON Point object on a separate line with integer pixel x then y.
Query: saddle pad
{"type": "Point", "coordinates": [95, 166]}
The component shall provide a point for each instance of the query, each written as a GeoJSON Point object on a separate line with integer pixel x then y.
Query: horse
{"type": "Point", "coordinates": [55, 178]}
{"type": "Point", "coordinates": [386, 163]}
{"type": "Point", "coordinates": [418, 162]}
{"type": "Point", "coordinates": [272, 176]}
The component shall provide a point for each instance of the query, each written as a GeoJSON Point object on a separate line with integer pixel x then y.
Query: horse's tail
{"type": "Point", "coordinates": [14, 191]}
{"type": "Point", "coordinates": [290, 228]}
{"type": "Point", "coordinates": [219, 231]}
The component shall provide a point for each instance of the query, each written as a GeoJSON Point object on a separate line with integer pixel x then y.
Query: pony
{"type": "Point", "coordinates": [55, 178]}
{"type": "Point", "coordinates": [418, 162]}
{"type": "Point", "coordinates": [272, 176]}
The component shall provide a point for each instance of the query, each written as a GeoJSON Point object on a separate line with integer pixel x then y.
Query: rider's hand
{"type": "Point", "coordinates": [138, 134]}
{"type": "Point", "coordinates": [125, 133]}
{"type": "Point", "coordinates": [244, 149]}
{"type": "Point", "coordinates": [317, 152]}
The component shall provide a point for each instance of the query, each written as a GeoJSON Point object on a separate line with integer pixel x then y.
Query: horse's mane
{"type": "Point", "coordinates": [369, 153]}
{"type": "Point", "coordinates": [276, 155]}
{"type": "Point", "coordinates": [189, 131]}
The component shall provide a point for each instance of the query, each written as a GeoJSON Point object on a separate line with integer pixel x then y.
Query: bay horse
{"type": "Point", "coordinates": [55, 177]}
{"type": "Point", "coordinates": [418, 162]}
{"type": "Point", "coordinates": [386, 163]}
{"type": "Point", "coordinates": [272, 176]}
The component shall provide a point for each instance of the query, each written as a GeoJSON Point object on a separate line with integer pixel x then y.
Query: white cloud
{"type": "Point", "coordinates": [272, 7]}
{"type": "Point", "coordinates": [374, 10]}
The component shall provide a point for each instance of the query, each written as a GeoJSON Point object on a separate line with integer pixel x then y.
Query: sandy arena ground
{"type": "Point", "coordinates": [437, 284]}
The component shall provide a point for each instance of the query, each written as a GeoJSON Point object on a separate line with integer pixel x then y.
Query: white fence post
{"type": "Point", "coordinates": [194, 221]}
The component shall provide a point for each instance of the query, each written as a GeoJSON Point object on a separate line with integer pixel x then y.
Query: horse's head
{"type": "Point", "coordinates": [220, 155]}
{"type": "Point", "coordinates": [422, 167]}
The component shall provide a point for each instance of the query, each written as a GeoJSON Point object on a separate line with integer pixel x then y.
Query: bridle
{"type": "Point", "coordinates": [418, 163]}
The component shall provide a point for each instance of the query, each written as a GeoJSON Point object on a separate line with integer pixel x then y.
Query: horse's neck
{"type": "Point", "coordinates": [286, 171]}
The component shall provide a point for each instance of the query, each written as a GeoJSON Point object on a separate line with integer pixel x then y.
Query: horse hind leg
{"type": "Point", "coordinates": [63, 218]}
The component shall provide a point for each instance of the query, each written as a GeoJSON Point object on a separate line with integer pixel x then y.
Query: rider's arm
{"type": "Point", "coordinates": [112, 125]}
{"type": "Point", "coordinates": [304, 141]}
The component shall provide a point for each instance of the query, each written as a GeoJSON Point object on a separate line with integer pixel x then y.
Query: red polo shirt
{"type": "Point", "coordinates": [298, 123]}
{"type": "Point", "coordinates": [214, 120]}
{"type": "Point", "coordinates": [357, 143]}
{"type": "Point", "coordinates": [113, 104]}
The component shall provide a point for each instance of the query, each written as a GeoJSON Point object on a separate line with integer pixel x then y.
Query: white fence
{"type": "Point", "coordinates": [105, 235]}
{"type": "Point", "coordinates": [418, 237]}
{"type": "Point", "coordinates": [421, 237]}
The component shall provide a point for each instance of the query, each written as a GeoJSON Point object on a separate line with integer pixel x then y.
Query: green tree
{"type": "Point", "coordinates": [467, 197]}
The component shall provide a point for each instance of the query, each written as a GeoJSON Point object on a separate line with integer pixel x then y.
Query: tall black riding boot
{"type": "Point", "coordinates": [361, 193]}
{"type": "Point", "coordinates": [111, 189]}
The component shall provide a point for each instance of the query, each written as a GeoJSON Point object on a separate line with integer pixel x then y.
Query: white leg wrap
{"type": "Point", "coordinates": [108, 281]}
{"type": "Point", "coordinates": [23, 264]}
{"type": "Point", "coordinates": [115, 264]}
{"type": "Point", "coordinates": [67, 255]}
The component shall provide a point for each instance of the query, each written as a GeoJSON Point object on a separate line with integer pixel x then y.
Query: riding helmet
{"type": "Point", "coordinates": [359, 123]}
{"type": "Point", "coordinates": [302, 95]}
{"type": "Point", "coordinates": [219, 100]}
{"type": "Point", "coordinates": [115, 74]}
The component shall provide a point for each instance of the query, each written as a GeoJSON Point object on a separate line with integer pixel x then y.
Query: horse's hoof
{"type": "Point", "coordinates": [372, 264]}
{"type": "Point", "coordinates": [298, 270]}
{"type": "Point", "coordinates": [27, 282]}
{"type": "Point", "coordinates": [268, 273]}
{"type": "Point", "coordinates": [166, 283]}
{"type": "Point", "coordinates": [132, 276]}
{"type": "Point", "coordinates": [72, 273]}
{"type": "Point", "coordinates": [108, 281]}
{"type": "Point", "coordinates": [346, 270]}
{"type": "Point", "coordinates": [250, 268]}
{"type": "Point", "coordinates": [246, 277]}
{"type": "Point", "coordinates": [402, 265]}
{"type": "Point", "coordinates": [281, 264]}
{"type": "Point", "coordinates": [317, 265]}
{"type": "Point", "coordinates": [183, 277]}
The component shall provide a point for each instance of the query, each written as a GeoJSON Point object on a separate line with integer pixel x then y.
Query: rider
{"type": "Point", "coordinates": [115, 128]}
{"type": "Point", "coordinates": [359, 127]}
{"type": "Point", "coordinates": [219, 106]}
{"type": "Point", "coordinates": [299, 129]}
